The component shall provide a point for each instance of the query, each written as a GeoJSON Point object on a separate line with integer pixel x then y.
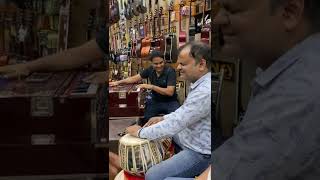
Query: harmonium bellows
{"type": "Point", "coordinates": [51, 124]}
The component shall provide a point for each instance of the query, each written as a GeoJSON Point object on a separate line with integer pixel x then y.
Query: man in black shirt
{"type": "Point", "coordinates": [90, 52]}
{"type": "Point", "coordinates": [163, 97]}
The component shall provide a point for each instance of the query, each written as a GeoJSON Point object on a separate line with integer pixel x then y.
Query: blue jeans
{"type": "Point", "coordinates": [185, 164]}
{"type": "Point", "coordinates": [154, 108]}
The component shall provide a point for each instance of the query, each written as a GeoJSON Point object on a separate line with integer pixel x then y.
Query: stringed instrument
{"type": "Point", "coordinates": [64, 25]}
{"type": "Point", "coordinates": [141, 7]}
{"type": "Point", "coordinates": [192, 26]}
{"type": "Point", "coordinates": [139, 41]}
{"type": "Point", "coordinates": [182, 34]}
{"type": "Point", "coordinates": [171, 51]}
{"type": "Point", "coordinates": [134, 7]}
{"type": "Point", "coordinates": [146, 41]}
{"type": "Point", "coordinates": [155, 43]}
{"type": "Point", "coordinates": [161, 35]}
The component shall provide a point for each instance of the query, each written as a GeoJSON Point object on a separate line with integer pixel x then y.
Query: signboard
{"type": "Point", "coordinates": [229, 69]}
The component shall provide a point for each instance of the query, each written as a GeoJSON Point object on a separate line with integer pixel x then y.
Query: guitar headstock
{"type": "Point", "coordinates": [150, 16]}
{"type": "Point", "coordinates": [182, 3]}
{"type": "Point", "coordinates": [160, 11]}
{"type": "Point", "coordinates": [155, 13]}
{"type": "Point", "coordinates": [171, 5]}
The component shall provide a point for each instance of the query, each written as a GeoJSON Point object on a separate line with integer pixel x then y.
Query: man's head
{"type": "Point", "coordinates": [261, 31]}
{"type": "Point", "coordinates": [194, 60]}
{"type": "Point", "coordinates": [157, 60]}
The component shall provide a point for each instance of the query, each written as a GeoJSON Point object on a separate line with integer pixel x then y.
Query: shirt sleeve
{"type": "Point", "coordinates": [172, 77]}
{"type": "Point", "coordinates": [146, 72]}
{"type": "Point", "coordinates": [102, 39]}
{"type": "Point", "coordinates": [184, 116]}
{"type": "Point", "coordinates": [279, 144]}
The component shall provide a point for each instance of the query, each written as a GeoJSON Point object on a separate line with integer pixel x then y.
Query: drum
{"type": "Point", "coordinates": [138, 155]}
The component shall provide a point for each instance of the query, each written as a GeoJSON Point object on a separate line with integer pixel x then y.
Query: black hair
{"type": "Point", "coordinates": [155, 54]}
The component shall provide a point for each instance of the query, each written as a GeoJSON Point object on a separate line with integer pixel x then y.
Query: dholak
{"type": "Point", "coordinates": [138, 155]}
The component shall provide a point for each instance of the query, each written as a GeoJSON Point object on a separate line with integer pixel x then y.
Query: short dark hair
{"type": "Point", "coordinates": [155, 54]}
{"type": "Point", "coordinates": [311, 11]}
{"type": "Point", "coordinates": [199, 50]}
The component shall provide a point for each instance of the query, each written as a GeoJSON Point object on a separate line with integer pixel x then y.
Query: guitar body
{"type": "Point", "coordinates": [171, 50]}
{"type": "Point", "coordinates": [162, 43]}
{"type": "Point", "coordinates": [146, 46]}
{"type": "Point", "coordinates": [155, 44]}
{"type": "Point", "coordinates": [138, 47]}
{"type": "Point", "coordinates": [205, 36]}
{"type": "Point", "coordinates": [133, 48]}
{"type": "Point", "coordinates": [182, 38]}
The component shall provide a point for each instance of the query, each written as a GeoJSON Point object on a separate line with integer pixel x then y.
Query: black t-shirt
{"type": "Point", "coordinates": [102, 39]}
{"type": "Point", "coordinates": [167, 78]}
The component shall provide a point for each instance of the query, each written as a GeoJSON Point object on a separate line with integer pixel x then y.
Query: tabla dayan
{"type": "Point", "coordinates": [138, 155]}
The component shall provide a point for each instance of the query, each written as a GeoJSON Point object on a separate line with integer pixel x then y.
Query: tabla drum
{"type": "Point", "coordinates": [138, 155]}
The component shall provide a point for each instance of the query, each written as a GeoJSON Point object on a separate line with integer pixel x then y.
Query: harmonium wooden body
{"type": "Point", "coordinates": [126, 101]}
{"type": "Point", "coordinates": [52, 123]}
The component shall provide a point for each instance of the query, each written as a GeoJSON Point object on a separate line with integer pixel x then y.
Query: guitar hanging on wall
{"type": "Point", "coordinates": [171, 51]}
{"type": "Point", "coordinates": [146, 41]}
{"type": "Point", "coordinates": [182, 34]}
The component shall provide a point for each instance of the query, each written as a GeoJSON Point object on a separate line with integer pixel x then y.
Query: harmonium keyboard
{"type": "Point", "coordinates": [53, 123]}
{"type": "Point", "coordinates": [126, 101]}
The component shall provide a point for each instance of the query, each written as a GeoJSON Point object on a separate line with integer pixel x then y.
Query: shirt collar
{"type": "Point", "coordinates": [164, 69]}
{"type": "Point", "coordinates": [199, 81]}
{"type": "Point", "coordinates": [285, 61]}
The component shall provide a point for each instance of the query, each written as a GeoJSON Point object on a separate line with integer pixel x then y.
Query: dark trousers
{"type": "Point", "coordinates": [154, 108]}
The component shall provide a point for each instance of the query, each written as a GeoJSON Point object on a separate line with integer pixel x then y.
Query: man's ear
{"type": "Point", "coordinates": [203, 64]}
{"type": "Point", "coordinates": [293, 13]}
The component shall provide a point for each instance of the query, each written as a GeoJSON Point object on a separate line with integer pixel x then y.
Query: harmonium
{"type": "Point", "coordinates": [53, 124]}
{"type": "Point", "coordinates": [126, 101]}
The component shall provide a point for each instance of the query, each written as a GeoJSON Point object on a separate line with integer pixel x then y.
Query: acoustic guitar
{"type": "Point", "coordinates": [139, 40]}
{"type": "Point", "coordinates": [134, 7]}
{"type": "Point", "coordinates": [146, 41]}
{"type": "Point", "coordinates": [171, 51]}
{"type": "Point", "coordinates": [182, 34]}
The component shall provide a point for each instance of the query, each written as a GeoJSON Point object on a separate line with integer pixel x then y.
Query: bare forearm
{"type": "Point", "coordinates": [131, 80]}
{"type": "Point", "coordinates": [69, 59]}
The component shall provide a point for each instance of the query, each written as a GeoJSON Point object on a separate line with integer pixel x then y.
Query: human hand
{"type": "Point", "coordinates": [96, 78]}
{"type": "Point", "coordinates": [133, 130]}
{"type": "Point", "coordinates": [153, 120]}
{"type": "Point", "coordinates": [14, 71]}
{"type": "Point", "coordinates": [114, 165]}
{"type": "Point", "coordinates": [114, 83]}
{"type": "Point", "coordinates": [145, 86]}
